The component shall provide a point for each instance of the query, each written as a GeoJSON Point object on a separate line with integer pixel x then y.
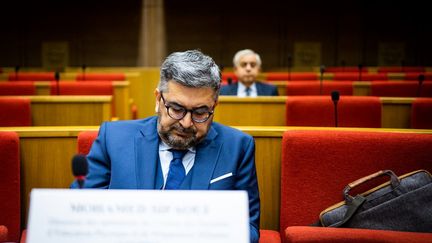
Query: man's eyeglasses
{"type": "Point", "coordinates": [177, 112]}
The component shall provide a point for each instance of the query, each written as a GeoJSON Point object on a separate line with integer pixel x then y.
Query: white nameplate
{"type": "Point", "coordinates": [137, 216]}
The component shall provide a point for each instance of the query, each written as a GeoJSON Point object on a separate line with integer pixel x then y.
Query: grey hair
{"type": "Point", "coordinates": [241, 53]}
{"type": "Point", "coordinates": [191, 69]}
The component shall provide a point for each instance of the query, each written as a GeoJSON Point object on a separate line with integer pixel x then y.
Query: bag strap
{"type": "Point", "coordinates": [353, 206]}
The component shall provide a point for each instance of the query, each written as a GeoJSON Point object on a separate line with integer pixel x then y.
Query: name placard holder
{"type": "Point", "coordinates": [111, 216]}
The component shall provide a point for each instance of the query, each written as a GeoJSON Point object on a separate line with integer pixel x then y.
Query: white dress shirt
{"type": "Point", "coordinates": [241, 90]}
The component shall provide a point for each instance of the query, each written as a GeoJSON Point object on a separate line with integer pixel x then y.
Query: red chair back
{"type": "Point", "coordinates": [85, 141]}
{"type": "Point", "coordinates": [317, 165]}
{"type": "Point", "coordinates": [401, 89]}
{"type": "Point", "coordinates": [355, 76]}
{"type": "Point", "coordinates": [47, 76]}
{"type": "Point", "coordinates": [3, 233]}
{"type": "Point", "coordinates": [421, 113]}
{"type": "Point", "coordinates": [313, 88]}
{"type": "Point", "coordinates": [101, 76]}
{"type": "Point", "coordinates": [291, 76]}
{"type": "Point", "coordinates": [400, 69]}
{"type": "Point", "coordinates": [15, 112]}
{"type": "Point", "coordinates": [10, 202]}
{"type": "Point", "coordinates": [319, 111]}
{"type": "Point", "coordinates": [415, 75]}
{"type": "Point", "coordinates": [17, 88]}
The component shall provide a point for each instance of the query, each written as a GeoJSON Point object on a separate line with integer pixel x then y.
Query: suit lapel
{"type": "Point", "coordinates": [146, 155]}
{"type": "Point", "coordinates": [259, 88]}
{"type": "Point", "coordinates": [234, 88]}
{"type": "Point", "coordinates": [207, 154]}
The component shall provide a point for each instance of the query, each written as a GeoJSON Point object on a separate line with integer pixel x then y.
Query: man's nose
{"type": "Point", "coordinates": [187, 121]}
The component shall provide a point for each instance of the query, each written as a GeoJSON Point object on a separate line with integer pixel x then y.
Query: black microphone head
{"type": "Point", "coordinates": [79, 165]}
{"type": "Point", "coordinates": [289, 59]}
{"type": "Point", "coordinates": [229, 80]}
{"type": "Point", "coordinates": [83, 67]}
{"type": "Point", "coordinates": [57, 76]}
{"type": "Point", "coordinates": [421, 78]}
{"type": "Point", "coordinates": [360, 66]}
{"type": "Point", "coordinates": [343, 63]}
{"type": "Point", "coordinates": [322, 69]}
{"type": "Point", "coordinates": [17, 68]}
{"type": "Point", "coordinates": [335, 95]}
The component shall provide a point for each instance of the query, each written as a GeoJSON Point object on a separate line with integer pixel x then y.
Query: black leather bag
{"type": "Point", "coordinates": [404, 204]}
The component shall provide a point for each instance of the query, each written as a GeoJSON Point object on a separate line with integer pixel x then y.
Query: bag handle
{"type": "Point", "coordinates": [394, 181]}
{"type": "Point", "coordinates": [354, 203]}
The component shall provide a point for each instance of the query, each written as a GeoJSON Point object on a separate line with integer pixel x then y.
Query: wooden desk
{"type": "Point", "coordinates": [69, 110]}
{"type": "Point", "coordinates": [120, 91]}
{"type": "Point", "coordinates": [270, 111]}
{"type": "Point", "coordinates": [46, 154]}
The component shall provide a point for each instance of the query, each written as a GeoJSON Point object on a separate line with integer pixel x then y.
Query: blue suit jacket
{"type": "Point", "coordinates": [262, 89]}
{"type": "Point", "coordinates": [125, 156]}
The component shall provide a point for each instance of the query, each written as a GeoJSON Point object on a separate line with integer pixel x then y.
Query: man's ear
{"type": "Point", "coordinates": [158, 97]}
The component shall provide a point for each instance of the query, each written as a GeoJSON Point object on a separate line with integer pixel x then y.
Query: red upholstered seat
{"type": "Point", "coordinates": [3, 233]}
{"type": "Point", "coordinates": [101, 76]}
{"type": "Point", "coordinates": [313, 88]}
{"type": "Point", "coordinates": [291, 76]}
{"type": "Point", "coordinates": [421, 113]}
{"type": "Point", "coordinates": [85, 141]}
{"type": "Point", "coordinates": [269, 236]}
{"type": "Point", "coordinates": [355, 76]}
{"type": "Point", "coordinates": [15, 112]}
{"type": "Point", "coordinates": [415, 75]}
{"type": "Point", "coordinates": [400, 69]}
{"type": "Point", "coordinates": [17, 88]}
{"type": "Point", "coordinates": [401, 89]}
{"type": "Point", "coordinates": [306, 234]}
{"type": "Point", "coordinates": [47, 76]}
{"type": "Point", "coordinates": [10, 206]}
{"type": "Point", "coordinates": [353, 111]}
{"type": "Point", "coordinates": [317, 165]}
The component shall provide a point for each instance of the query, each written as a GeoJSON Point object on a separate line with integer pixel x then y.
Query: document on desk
{"type": "Point", "coordinates": [137, 216]}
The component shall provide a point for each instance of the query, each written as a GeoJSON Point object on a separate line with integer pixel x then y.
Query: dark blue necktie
{"type": "Point", "coordinates": [176, 173]}
{"type": "Point", "coordinates": [248, 91]}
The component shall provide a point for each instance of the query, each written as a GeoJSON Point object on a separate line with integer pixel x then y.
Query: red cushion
{"type": "Point", "coordinates": [421, 113]}
{"type": "Point", "coordinates": [354, 76]}
{"type": "Point", "coordinates": [85, 141]}
{"type": "Point", "coordinates": [3, 233]}
{"type": "Point", "coordinates": [317, 165]}
{"type": "Point", "coordinates": [78, 88]}
{"type": "Point", "coordinates": [269, 236]}
{"type": "Point", "coordinates": [400, 69]}
{"type": "Point", "coordinates": [10, 206]}
{"type": "Point", "coordinates": [313, 88]}
{"type": "Point", "coordinates": [101, 76]}
{"type": "Point", "coordinates": [17, 88]}
{"type": "Point", "coordinates": [315, 234]}
{"type": "Point", "coordinates": [414, 75]}
{"type": "Point", "coordinates": [401, 89]}
{"type": "Point", "coordinates": [48, 76]}
{"type": "Point", "coordinates": [15, 112]}
{"type": "Point", "coordinates": [319, 111]}
{"type": "Point", "coordinates": [292, 76]}
{"type": "Point", "coordinates": [23, 236]}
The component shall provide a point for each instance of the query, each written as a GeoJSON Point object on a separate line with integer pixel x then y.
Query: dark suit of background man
{"type": "Point", "coordinates": [136, 154]}
{"type": "Point", "coordinates": [247, 65]}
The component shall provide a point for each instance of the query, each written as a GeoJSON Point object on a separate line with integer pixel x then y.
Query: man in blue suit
{"type": "Point", "coordinates": [136, 154]}
{"type": "Point", "coordinates": [247, 65]}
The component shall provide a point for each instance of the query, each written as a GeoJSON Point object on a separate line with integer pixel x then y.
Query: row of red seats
{"type": "Point", "coordinates": [50, 76]}
{"type": "Point", "coordinates": [353, 111]}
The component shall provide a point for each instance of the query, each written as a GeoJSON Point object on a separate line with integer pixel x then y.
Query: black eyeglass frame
{"type": "Point", "coordinates": [185, 111]}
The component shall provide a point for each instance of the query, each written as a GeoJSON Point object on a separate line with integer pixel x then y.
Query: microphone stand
{"type": "Point", "coordinates": [335, 98]}
{"type": "Point", "coordinates": [421, 78]}
{"type": "Point", "coordinates": [322, 69]}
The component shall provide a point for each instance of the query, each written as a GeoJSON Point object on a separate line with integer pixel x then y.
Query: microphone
{"type": "Point", "coordinates": [360, 66]}
{"type": "Point", "coordinates": [17, 68]}
{"type": "Point", "coordinates": [83, 68]}
{"type": "Point", "coordinates": [57, 79]}
{"type": "Point", "coordinates": [322, 70]}
{"type": "Point", "coordinates": [229, 80]}
{"type": "Point", "coordinates": [80, 169]}
{"type": "Point", "coordinates": [335, 98]}
{"type": "Point", "coordinates": [289, 65]}
{"type": "Point", "coordinates": [421, 78]}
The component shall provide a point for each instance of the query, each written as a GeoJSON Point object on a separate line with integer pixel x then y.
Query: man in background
{"type": "Point", "coordinates": [247, 65]}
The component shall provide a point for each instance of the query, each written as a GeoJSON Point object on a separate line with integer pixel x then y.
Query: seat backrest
{"type": "Point", "coordinates": [415, 75]}
{"type": "Point", "coordinates": [101, 76]}
{"type": "Point", "coordinates": [355, 76]}
{"type": "Point", "coordinates": [400, 69]}
{"type": "Point", "coordinates": [401, 89]}
{"type": "Point", "coordinates": [82, 88]}
{"type": "Point", "coordinates": [85, 141]}
{"type": "Point", "coordinates": [319, 111]}
{"type": "Point", "coordinates": [313, 88]}
{"type": "Point", "coordinates": [39, 76]}
{"type": "Point", "coordinates": [15, 112]}
{"type": "Point", "coordinates": [3, 233]}
{"type": "Point", "coordinates": [317, 165]}
{"type": "Point", "coordinates": [421, 113]}
{"type": "Point", "coordinates": [17, 88]}
{"type": "Point", "coordinates": [10, 204]}
{"type": "Point", "coordinates": [291, 76]}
